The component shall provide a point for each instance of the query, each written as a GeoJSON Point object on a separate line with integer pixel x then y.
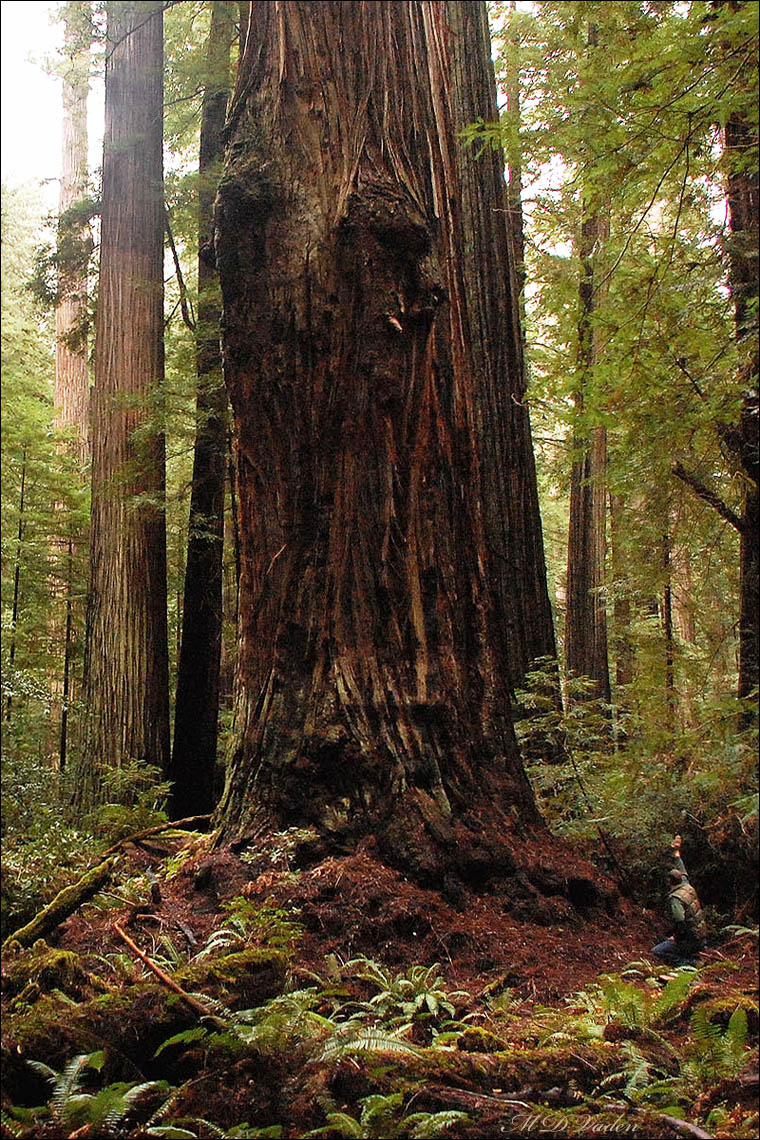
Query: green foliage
{"type": "Point", "coordinates": [116, 1109]}
{"type": "Point", "coordinates": [622, 107]}
{"type": "Point", "coordinates": [42, 849]}
{"type": "Point", "coordinates": [715, 1051]}
{"type": "Point", "coordinates": [137, 797]}
{"type": "Point", "coordinates": [418, 996]}
{"type": "Point", "coordinates": [383, 1116]}
{"type": "Point", "coordinates": [352, 1038]}
{"type": "Point", "coordinates": [699, 781]}
{"type": "Point", "coordinates": [266, 923]}
{"type": "Point", "coordinates": [319, 1023]}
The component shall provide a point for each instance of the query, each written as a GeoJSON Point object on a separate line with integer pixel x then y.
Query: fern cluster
{"type": "Point", "coordinates": [383, 1117]}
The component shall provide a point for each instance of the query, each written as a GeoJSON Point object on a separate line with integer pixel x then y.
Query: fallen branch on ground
{"type": "Point", "coordinates": [680, 1127]}
{"type": "Point", "coordinates": [193, 1002]}
{"type": "Point", "coordinates": [171, 825]}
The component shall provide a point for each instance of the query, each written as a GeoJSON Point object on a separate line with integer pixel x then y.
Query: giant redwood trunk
{"type": "Point", "coordinates": [372, 356]}
{"type": "Point", "coordinates": [127, 660]}
{"type": "Point", "coordinates": [197, 703]}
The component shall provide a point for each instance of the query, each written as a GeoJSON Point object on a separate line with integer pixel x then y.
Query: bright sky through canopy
{"type": "Point", "coordinates": [31, 99]}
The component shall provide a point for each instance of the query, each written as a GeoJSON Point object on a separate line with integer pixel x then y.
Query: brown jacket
{"type": "Point", "coordinates": [687, 914]}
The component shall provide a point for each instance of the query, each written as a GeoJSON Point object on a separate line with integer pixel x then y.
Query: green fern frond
{"type": "Point", "coordinates": [186, 1037]}
{"type": "Point", "coordinates": [432, 1124]}
{"type": "Point", "coordinates": [50, 1075]}
{"type": "Point", "coordinates": [171, 1132]}
{"type": "Point", "coordinates": [367, 1040]}
{"type": "Point", "coordinates": [673, 995]}
{"type": "Point", "coordinates": [127, 1100]}
{"type": "Point", "coordinates": [15, 1127]}
{"type": "Point", "coordinates": [214, 1131]}
{"type": "Point", "coordinates": [735, 1040]}
{"type": "Point", "coordinates": [341, 1123]}
{"type": "Point", "coordinates": [70, 1079]}
{"type": "Point", "coordinates": [703, 1029]}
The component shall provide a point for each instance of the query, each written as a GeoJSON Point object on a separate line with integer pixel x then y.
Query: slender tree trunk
{"type": "Point", "coordinates": [622, 603]}
{"type": "Point", "coordinates": [683, 594]}
{"type": "Point", "coordinates": [71, 389]}
{"type": "Point", "coordinates": [16, 582]}
{"type": "Point", "coordinates": [362, 267]}
{"type": "Point", "coordinates": [586, 617]}
{"type": "Point", "coordinates": [67, 650]}
{"type": "Point", "coordinates": [667, 625]}
{"type": "Point", "coordinates": [586, 652]}
{"type": "Point", "coordinates": [197, 704]}
{"type": "Point", "coordinates": [127, 674]}
{"type": "Point", "coordinates": [71, 395]}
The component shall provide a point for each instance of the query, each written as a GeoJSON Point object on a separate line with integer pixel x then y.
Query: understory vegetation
{"type": "Point", "coordinates": [249, 1023]}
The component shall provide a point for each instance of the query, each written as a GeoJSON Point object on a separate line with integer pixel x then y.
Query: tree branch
{"type": "Point", "coordinates": [708, 495]}
{"type": "Point", "coordinates": [196, 1006]}
{"type": "Point", "coordinates": [183, 297]}
{"type": "Point", "coordinates": [170, 825]}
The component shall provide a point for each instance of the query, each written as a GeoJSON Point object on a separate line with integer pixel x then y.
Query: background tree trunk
{"type": "Point", "coordinates": [71, 394]}
{"type": "Point", "coordinates": [741, 145]}
{"type": "Point", "coordinates": [72, 386]}
{"type": "Point", "coordinates": [16, 585]}
{"type": "Point", "coordinates": [379, 625]}
{"type": "Point", "coordinates": [197, 703]}
{"type": "Point", "coordinates": [127, 674]}
{"type": "Point", "coordinates": [586, 614]}
{"type": "Point", "coordinates": [492, 240]}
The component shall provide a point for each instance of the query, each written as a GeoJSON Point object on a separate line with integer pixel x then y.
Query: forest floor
{"type": "Point", "coordinates": [334, 996]}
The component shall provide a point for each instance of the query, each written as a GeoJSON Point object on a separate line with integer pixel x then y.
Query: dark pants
{"type": "Point", "coordinates": [677, 953]}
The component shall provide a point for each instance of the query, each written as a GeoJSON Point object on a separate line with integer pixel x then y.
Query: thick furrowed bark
{"type": "Point", "coordinates": [374, 663]}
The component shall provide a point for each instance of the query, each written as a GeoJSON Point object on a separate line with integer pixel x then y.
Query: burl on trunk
{"type": "Point", "coordinates": [372, 430]}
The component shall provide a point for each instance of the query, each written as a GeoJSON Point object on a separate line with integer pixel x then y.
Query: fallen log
{"type": "Point", "coordinates": [170, 825]}
{"type": "Point", "coordinates": [63, 905]}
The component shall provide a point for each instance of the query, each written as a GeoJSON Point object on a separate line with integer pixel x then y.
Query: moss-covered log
{"type": "Point", "coordinates": [64, 904]}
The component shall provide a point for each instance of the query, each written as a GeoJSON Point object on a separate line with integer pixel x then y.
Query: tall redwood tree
{"type": "Point", "coordinates": [127, 659]}
{"type": "Point", "coordinates": [71, 394]}
{"type": "Point", "coordinates": [196, 712]}
{"type": "Point", "coordinates": [388, 518]}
